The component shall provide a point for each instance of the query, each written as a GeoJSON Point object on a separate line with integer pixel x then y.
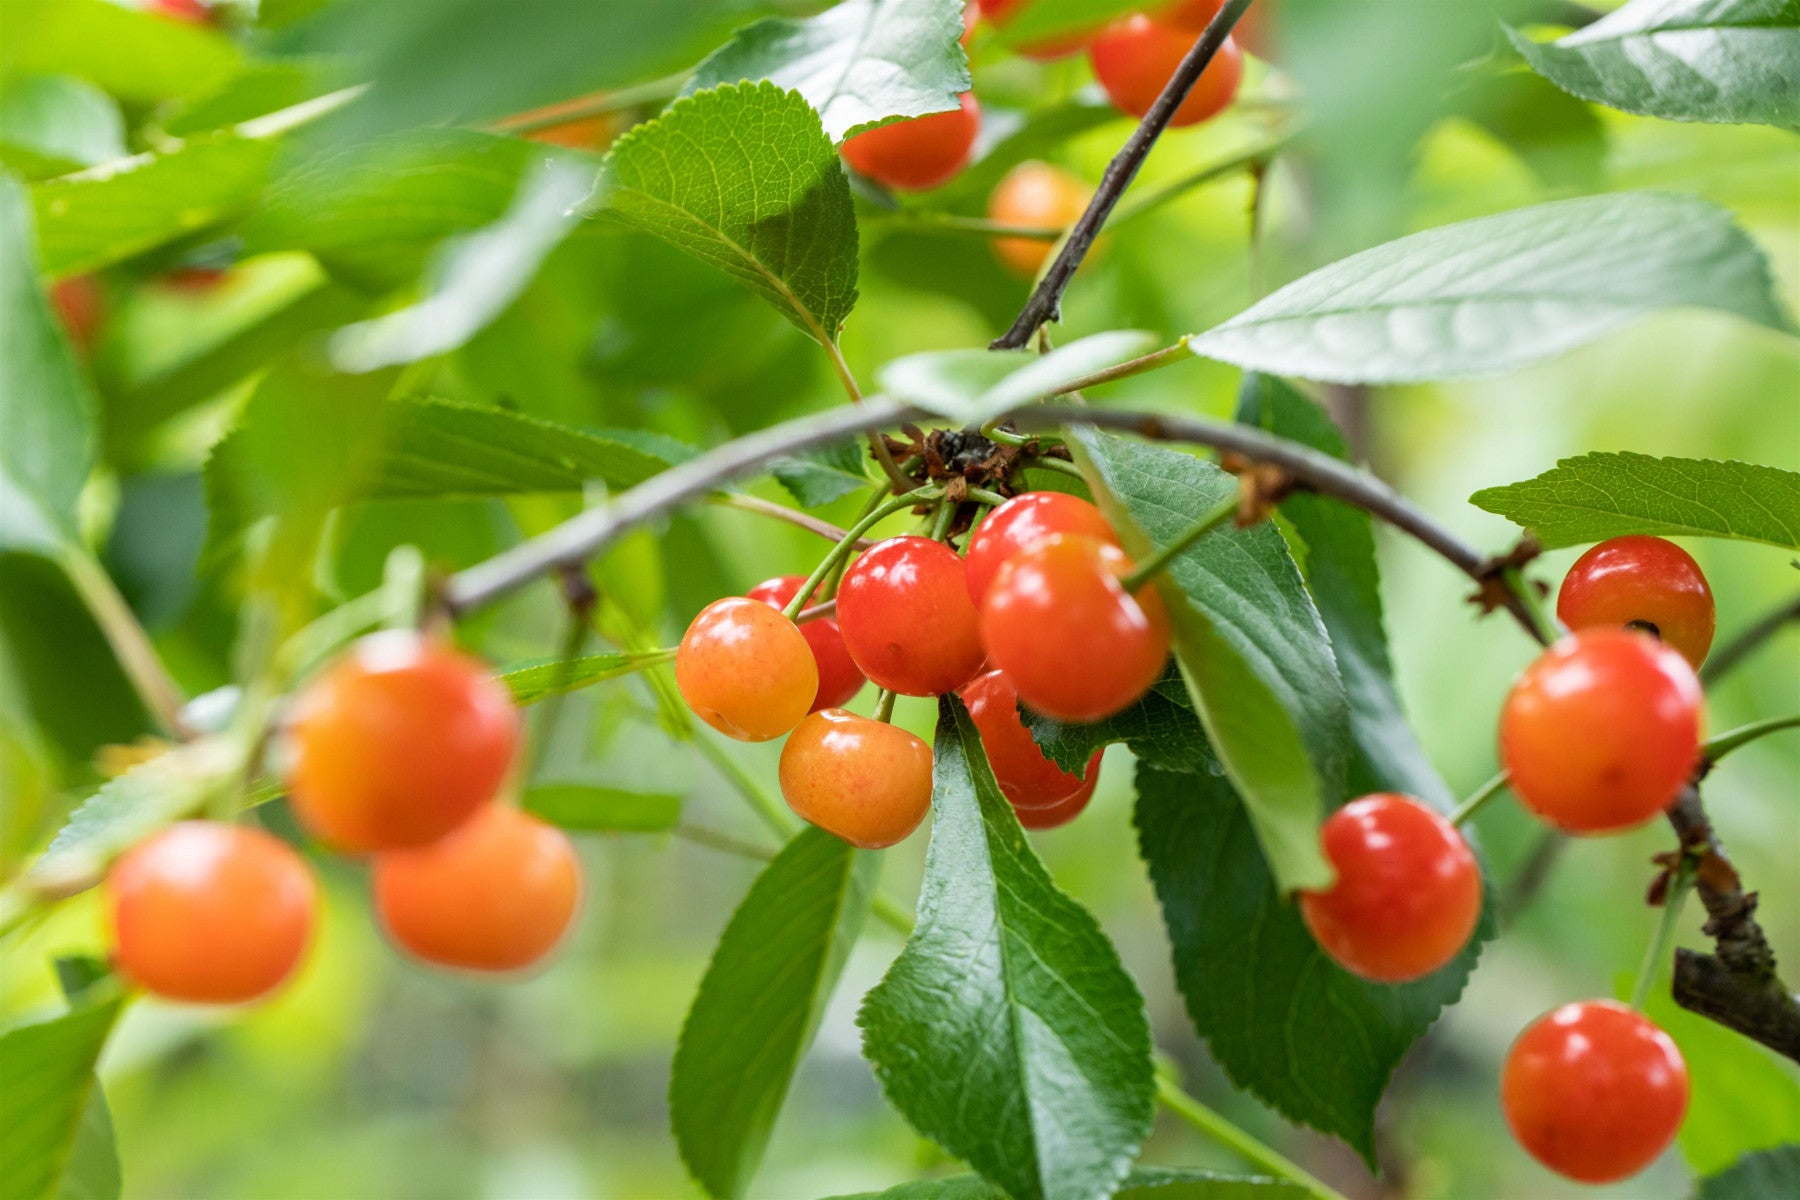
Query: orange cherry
{"type": "Point", "coordinates": [920, 153]}
{"type": "Point", "coordinates": [865, 781]}
{"type": "Point", "coordinates": [1135, 58]}
{"type": "Point", "coordinates": [1646, 583]}
{"type": "Point", "coordinates": [1034, 195]}
{"type": "Point", "coordinates": [746, 670]}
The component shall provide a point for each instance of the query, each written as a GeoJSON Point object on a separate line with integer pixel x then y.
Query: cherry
{"type": "Point", "coordinates": [1134, 59]}
{"type": "Point", "coordinates": [919, 153]}
{"type": "Point", "coordinates": [906, 617]}
{"type": "Point", "coordinates": [496, 894]}
{"type": "Point", "coordinates": [194, 281]}
{"type": "Point", "coordinates": [865, 781]}
{"type": "Point", "coordinates": [397, 743]}
{"type": "Point", "coordinates": [1644, 582]}
{"type": "Point", "coordinates": [999, 12]}
{"type": "Point", "coordinates": [583, 133]}
{"type": "Point", "coordinates": [1027, 778]}
{"type": "Point", "coordinates": [1600, 733]}
{"type": "Point", "coordinates": [1063, 811]}
{"type": "Point", "coordinates": [1076, 644]}
{"type": "Point", "coordinates": [746, 670]}
{"type": "Point", "coordinates": [1034, 195]}
{"type": "Point", "coordinates": [839, 679]}
{"type": "Point", "coordinates": [81, 305]}
{"type": "Point", "coordinates": [1250, 33]}
{"type": "Point", "coordinates": [1407, 895]}
{"type": "Point", "coordinates": [193, 12]}
{"type": "Point", "coordinates": [210, 913]}
{"type": "Point", "coordinates": [1594, 1091]}
{"type": "Point", "coordinates": [1021, 523]}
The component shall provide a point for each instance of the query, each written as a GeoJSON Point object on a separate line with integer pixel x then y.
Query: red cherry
{"type": "Point", "coordinates": [865, 781]}
{"type": "Point", "coordinates": [1022, 523]}
{"type": "Point", "coordinates": [210, 913]}
{"type": "Point", "coordinates": [81, 305]}
{"type": "Point", "coordinates": [194, 281]}
{"type": "Point", "coordinates": [1135, 58]}
{"type": "Point", "coordinates": [1027, 778]}
{"type": "Point", "coordinates": [999, 12]}
{"type": "Point", "coordinates": [1644, 582]}
{"type": "Point", "coordinates": [1076, 644]}
{"type": "Point", "coordinates": [1035, 195]}
{"type": "Point", "coordinates": [1594, 1091]}
{"type": "Point", "coordinates": [192, 11]}
{"type": "Point", "coordinates": [906, 617]}
{"type": "Point", "coordinates": [1407, 895]}
{"type": "Point", "coordinates": [1600, 733]}
{"type": "Point", "coordinates": [1063, 811]}
{"type": "Point", "coordinates": [746, 670]}
{"type": "Point", "coordinates": [920, 153]}
{"type": "Point", "coordinates": [839, 680]}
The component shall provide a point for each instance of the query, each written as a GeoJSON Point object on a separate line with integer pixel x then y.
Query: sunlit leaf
{"type": "Point", "coordinates": [533, 683]}
{"type": "Point", "coordinates": [132, 52]}
{"type": "Point", "coordinates": [54, 123]}
{"type": "Point", "coordinates": [971, 386]}
{"type": "Point", "coordinates": [49, 1072]}
{"type": "Point", "coordinates": [592, 808]}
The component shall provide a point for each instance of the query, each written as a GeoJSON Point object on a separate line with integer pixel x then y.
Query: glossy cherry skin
{"type": "Point", "coordinates": [865, 781]}
{"type": "Point", "coordinates": [746, 670]}
{"type": "Point", "coordinates": [1594, 1091]}
{"type": "Point", "coordinates": [1134, 59]}
{"type": "Point", "coordinates": [1027, 778]}
{"type": "Point", "coordinates": [209, 913]}
{"type": "Point", "coordinates": [1034, 195]}
{"type": "Point", "coordinates": [839, 678]}
{"type": "Point", "coordinates": [496, 894]}
{"type": "Point", "coordinates": [1602, 730]}
{"type": "Point", "coordinates": [1645, 582]}
{"type": "Point", "coordinates": [1407, 894]}
{"type": "Point", "coordinates": [397, 743]}
{"type": "Point", "coordinates": [918, 154]}
{"type": "Point", "coordinates": [1075, 643]}
{"type": "Point", "coordinates": [1063, 811]}
{"type": "Point", "coordinates": [906, 617]}
{"type": "Point", "coordinates": [1021, 523]}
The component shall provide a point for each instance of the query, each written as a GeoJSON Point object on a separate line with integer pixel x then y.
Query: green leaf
{"type": "Point", "coordinates": [1501, 292]}
{"type": "Point", "coordinates": [1727, 61]}
{"type": "Point", "coordinates": [1761, 1176]}
{"type": "Point", "coordinates": [973, 385]}
{"type": "Point", "coordinates": [1256, 985]}
{"type": "Point", "coordinates": [49, 1073]}
{"type": "Point", "coordinates": [1604, 495]}
{"type": "Point", "coordinates": [1345, 582]}
{"type": "Point", "coordinates": [1145, 1183]}
{"type": "Point", "coordinates": [602, 809]}
{"type": "Point", "coordinates": [45, 407]}
{"type": "Point", "coordinates": [54, 123]}
{"type": "Point", "coordinates": [533, 683]}
{"type": "Point", "coordinates": [1561, 139]}
{"type": "Point", "coordinates": [743, 177]}
{"type": "Point", "coordinates": [1007, 1031]}
{"type": "Point", "coordinates": [93, 1170]}
{"type": "Point", "coordinates": [821, 476]}
{"type": "Point", "coordinates": [475, 277]}
{"type": "Point", "coordinates": [260, 88]}
{"type": "Point", "coordinates": [132, 53]}
{"type": "Point", "coordinates": [1251, 645]}
{"type": "Point", "coordinates": [1161, 728]}
{"type": "Point", "coordinates": [1044, 20]}
{"type": "Point", "coordinates": [862, 63]}
{"type": "Point", "coordinates": [760, 1004]}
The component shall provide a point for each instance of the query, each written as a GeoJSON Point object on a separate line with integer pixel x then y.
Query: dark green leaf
{"type": "Point", "coordinates": [823, 475]}
{"type": "Point", "coordinates": [1729, 61]}
{"type": "Point", "coordinates": [760, 1003]}
{"type": "Point", "coordinates": [1765, 1175]}
{"type": "Point", "coordinates": [1502, 292]}
{"type": "Point", "coordinates": [1251, 645]}
{"type": "Point", "coordinates": [971, 386]}
{"type": "Point", "coordinates": [1007, 1031]}
{"type": "Point", "coordinates": [744, 177]}
{"type": "Point", "coordinates": [1604, 495]}
{"type": "Point", "coordinates": [533, 683]}
{"type": "Point", "coordinates": [1161, 729]}
{"type": "Point", "coordinates": [49, 1072]}
{"type": "Point", "coordinates": [602, 809]}
{"type": "Point", "coordinates": [859, 64]}
{"type": "Point", "coordinates": [1145, 1183]}
{"type": "Point", "coordinates": [133, 53]}
{"type": "Point", "coordinates": [1557, 136]}
{"type": "Point", "coordinates": [53, 123]}
{"type": "Point", "coordinates": [1258, 988]}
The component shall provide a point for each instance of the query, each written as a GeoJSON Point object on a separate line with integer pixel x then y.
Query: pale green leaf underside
{"type": "Point", "coordinates": [49, 1072]}
{"type": "Point", "coordinates": [533, 683]}
{"type": "Point", "coordinates": [972, 386]}
{"type": "Point", "coordinates": [597, 809]}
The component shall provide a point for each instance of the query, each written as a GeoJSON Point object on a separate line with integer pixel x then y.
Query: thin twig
{"type": "Point", "coordinates": [1257, 1153]}
{"type": "Point", "coordinates": [595, 104]}
{"type": "Point", "coordinates": [131, 646]}
{"type": "Point", "coordinates": [792, 516]}
{"type": "Point", "coordinates": [877, 444]}
{"type": "Point", "coordinates": [1750, 640]}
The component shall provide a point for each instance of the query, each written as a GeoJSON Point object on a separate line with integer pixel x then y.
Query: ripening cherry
{"type": "Point", "coordinates": [194, 12]}
{"type": "Point", "coordinates": [495, 894]}
{"type": "Point", "coordinates": [210, 913]}
{"type": "Point", "coordinates": [1021, 523]}
{"type": "Point", "coordinates": [583, 133]}
{"type": "Point", "coordinates": [397, 743]}
{"type": "Point", "coordinates": [81, 305]}
{"type": "Point", "coordinates": [1063, 811]}
{"type": "Point", "coordinates": [1075, 643]}
{"type": "Point", "coordinates": [865, 781]}
{"type": "Point", "coordinates": [1027, 778]}
{"type": "Point", "coordinates": [1594, 1091]}
{"type": "Point", "coordinates": [1407, 894]}
{"type": "Point", "coordinates": [746, 670]}
{"type": "Point", "coordinates": [906, 617]}
{"type": "Point", "coordinates": [999, 12]}
{"type": "Point", "coordinates": [839, 680]}
{"type": "Point", "coordinates": [1034, 195]}
{"type": "Point", "coordinates": [1644, 582]}
{"type": "Point", "coordinates": [919, 153]}
{"type": "Point", "coordinates": [1134, 59]}
{"type": "Point", "coordinates": [195, 280]}
{"type": "Point", "coordinates": [1600, 733]}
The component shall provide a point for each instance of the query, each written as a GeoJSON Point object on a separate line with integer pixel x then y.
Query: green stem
{"type": "Point", "coordinates": [1216, 1127]}
{"type": "Point", "coordinates": [712, 839]}
{"type": "Point", "coordinates": [767, 508]}
{"type": "Point", "coordinates": [131, 645]}
{"type": "Point", "coordinates": [889, 913]}
{"type": "Point", "coordinates": [877, 444]}
{"type": "Point", "coordinates": [955, 223]}
{"type": "Point", "coordinates": [774, 813]}
{"type": "Point", "coordinates": [884, 706]}
{"type": "Point", "coordinates": [1153, 361]}
{"type": "Point", "coordinates": [1658, 952]}
{"type": "Point", "coordinates": [596, 105]}
{"type": "Point", "coordinates": [1715, 748]}
{"type": "Point", "coordinates": [984, 496]}
{"type": "Point", "coordinates": [1147, 570]}
{"type": "Point", "coordinates": [1487, 791]}
{"type": "Point", "coordinates": [841, 551]}
{"type": "Point", "coordinates": [1547, 627]}
{"type": "Point", "coordinates": [1148, 201]}
{"type": "Point", "coordinates": [941, 519]}
{"type": "Point", "coordinates": [1061, 465]}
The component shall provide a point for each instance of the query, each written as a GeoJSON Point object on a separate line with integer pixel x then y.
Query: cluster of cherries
{"type": "Point", "coordinates": [1133, 58]}
{"type": "Point", "coordinates": [400, 751]}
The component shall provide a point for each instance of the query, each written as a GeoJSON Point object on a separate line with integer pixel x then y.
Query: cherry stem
{"type": "Point", "coordinates": [1214, 1125]}
{"type": "Point", "coordinates": [877, 443]}
{"type": "Point", "coordinates": [1715, 748]}
{"type": "Point", "coordinates": [1147, 570]}
{"type": "Point", "coordinates": [884, 707]}
{"type": "Point", "coordinates": [1487, 791]}
{"type": "Point", "coordinates": [1545, 628]}
{"type": "Point", "coordinates": [1680, 883]}
{"type": "Point", "coordinates": [781, 512]}
{"type": "Point", "coordinates": [941, 519]}
{"type": "Point", "coordinates": [1062, 466]}
{"type": "Point", "coordinates": [131, 645]}
{"type": "Point", "coordinates": [841, 552]}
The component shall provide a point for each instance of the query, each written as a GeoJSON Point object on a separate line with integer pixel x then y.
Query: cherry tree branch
{"type": "Point", "coordinates": [1747, 642]}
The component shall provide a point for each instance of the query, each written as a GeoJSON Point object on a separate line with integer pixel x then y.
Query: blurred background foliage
{"type": "Point", "coordinates": [373, 1077]}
